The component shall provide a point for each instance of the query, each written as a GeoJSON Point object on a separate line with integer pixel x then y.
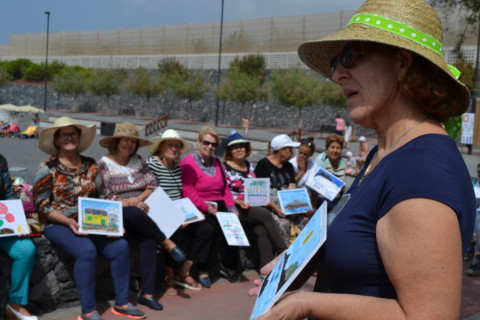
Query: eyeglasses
{"type": "Point", "coordinates": [71, 135]}
{"type": "Point", "coordinates": [346, 58]}
{"type": "Point", "coordinates": [207, 143]}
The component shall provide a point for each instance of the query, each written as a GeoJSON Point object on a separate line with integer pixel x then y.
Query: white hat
{"type": "Point", "coordinates": [349, 154]}
{"type": "Point", "coordinates": [282, 141]}
{"type": "Point", "coordinates": [45, 140]}
{"type": "Point", "coordinates": [169, 134]}
{"type": "Point", "coordinates": [362, 139]}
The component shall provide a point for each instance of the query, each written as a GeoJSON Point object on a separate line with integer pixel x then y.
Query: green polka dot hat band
{"type": "Point", "coordinates": [410, 24]}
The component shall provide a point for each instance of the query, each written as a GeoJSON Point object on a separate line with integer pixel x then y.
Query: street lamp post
{"type": "Point", "coordinates": [46, 64]}
{"type": "Point", "coordinates": [219, 63]}
{"type": "Point", "coordinates": [475, 80]}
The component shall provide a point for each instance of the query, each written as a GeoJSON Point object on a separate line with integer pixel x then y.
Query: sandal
{"type": "Point", "coordinates": [170, 289]}
{"type": "Point", "coordinates": [187, 282]}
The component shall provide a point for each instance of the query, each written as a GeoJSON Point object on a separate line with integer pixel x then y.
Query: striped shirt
{"type": "Point", "coordinates": [170, 180]}
{"type": "Point", "coordinates": [323, 162]}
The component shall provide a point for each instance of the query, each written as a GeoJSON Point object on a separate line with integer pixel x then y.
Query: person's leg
{"type": "Point", "coordinates": [263, 216]}
{"type": "Point", "coordinates": [117, 252]}
{"type": "Point", "coordinates": [83, 250]}
{"type": "Point", "coordinates": [136, 220]}
{"type": "Point", "coordinates": [22, 252]}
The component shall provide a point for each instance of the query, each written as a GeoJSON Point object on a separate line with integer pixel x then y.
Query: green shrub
{"type": "Point", "coordinates": [34, 72]}
{"type": "Point", "coordinates": [16, 68]}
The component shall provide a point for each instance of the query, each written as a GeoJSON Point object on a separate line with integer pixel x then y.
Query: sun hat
{"type": "Point", "coordinates": [169, 134]}
{"type": "Point", "coordinates": [282, 141]}
{"type": "Point", "coordinates": [46, 137]}
{"type": "Point", "coordinates": [349, 154]}
{"type": "Point", "coordinates": [236, 138]}
{"type": "Point", "coordinates": [409, 24]}
{"type": "Point", "coordinates": [124, 130]}
{"type": "Point", "coordinates": [362, 139]}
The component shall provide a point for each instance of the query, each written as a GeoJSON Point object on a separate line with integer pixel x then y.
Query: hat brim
{"type": "Point", "coordinates": [238, 141]}
{"type": "Point", "coordinates": [318, 54]}
{"type": "Point", "coordinates": [156, 142]}
{"type": "Point", "coordinates": [46, 137]}
{"type": "Point", "coordinates": [105, 142]}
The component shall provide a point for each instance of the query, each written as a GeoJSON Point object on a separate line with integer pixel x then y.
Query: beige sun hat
{"type": "Point", "coordinates": [409, 24]}
{"type": "Point", "coordinates": [45, 139]}
{"type": "Point", "coordinates": [169, 134]}
{"type": "Point", "coordinates": [124, 130]}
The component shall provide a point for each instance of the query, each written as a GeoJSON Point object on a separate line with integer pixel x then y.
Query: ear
{"type": "Point", "coordinates": [405, 59]}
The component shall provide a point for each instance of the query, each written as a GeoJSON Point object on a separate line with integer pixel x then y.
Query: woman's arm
{"type": "Point", "coordinates": [419, 242]}
{"type": "Point", "coordinates": [189, 181]}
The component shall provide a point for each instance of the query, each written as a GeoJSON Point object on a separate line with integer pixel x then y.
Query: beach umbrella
{"type": "Point", "coordinates": [9, 107]}
{"type": "Point", "coordinates": [29, 109]}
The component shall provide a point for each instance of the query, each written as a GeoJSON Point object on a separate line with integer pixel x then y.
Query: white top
{"type": "Point", "coordinates": [312, 168]}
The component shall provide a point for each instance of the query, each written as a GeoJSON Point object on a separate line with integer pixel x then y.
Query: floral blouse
{"type": "Point", "coordinates": [57, 187]}
{"type": "Point", "coordinates": [235, 180]}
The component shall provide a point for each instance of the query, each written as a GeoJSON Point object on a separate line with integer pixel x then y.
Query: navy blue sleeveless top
{"type": "Point", "coordinates": [429, 166]}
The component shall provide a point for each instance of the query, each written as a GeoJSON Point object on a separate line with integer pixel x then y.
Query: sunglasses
{"type": "Point", "coordinates": [306, 142]}
{"type": "Point", "coordinates": [207, 143]}
{"type": "Point", "coordinates": [71, 135]}
{"type": "Point", "coordinates": [346, 58]}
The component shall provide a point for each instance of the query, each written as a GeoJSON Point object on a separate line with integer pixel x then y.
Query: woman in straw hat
{"type": "Point", "coordinates": [22, 252]}
{"type": "Point", "coordinates": [166, 151]}
{"type": "Point", "coordinates": [60, 180]}
{"type": "Point", "coordinates": [128, 179]}
{"type": "Point", "coordinates": [394, 248]}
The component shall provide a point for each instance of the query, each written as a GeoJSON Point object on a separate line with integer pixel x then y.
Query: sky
{"type": "Point", "coordinates": [28, 16]}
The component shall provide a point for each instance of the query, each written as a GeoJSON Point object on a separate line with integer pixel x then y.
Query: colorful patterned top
{"type": "Point", "coordinates": [57, 187]}
{"type": "Point", "coordinates": [235, 179]}
{"type": "Point", "coordinates": [126, 181]}
{"type": "Point", "coordinates": [6, 191]}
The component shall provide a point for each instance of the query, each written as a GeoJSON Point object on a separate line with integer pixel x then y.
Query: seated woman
{"type": "Point", "coordinates": [363, 151]}
{"type": "Point", "coordinates": [303, 166]}
{"type": "Point", "coordinates": [277, 167]}
{"type": "Point", "coordinates": [204, 183]}
{"type": "Point", "coordinates": [128, 179]}
{"type": "Point", "coordinates": [60, 180]}
{"type": "Point", "coordinates": [237, 168]}
{"type": "Point", "coordinates": [21, 251]}
{"type": "Point", "coordinates": [331, 160]}
{"type": "Point", "coordinates": [163, 163]}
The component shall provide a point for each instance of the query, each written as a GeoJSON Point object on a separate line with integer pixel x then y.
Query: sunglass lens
{"type": "Point", "coordinates": [348, 57]}
{"type": "Point", "coordinates": [333, 66]}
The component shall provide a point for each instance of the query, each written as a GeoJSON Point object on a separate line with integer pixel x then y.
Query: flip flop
{"type": "Point", "coordinates": [187, 282]}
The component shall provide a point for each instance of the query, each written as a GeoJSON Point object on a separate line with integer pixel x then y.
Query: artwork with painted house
{"type": "Point", "coordinates": [292, 262]}
{"type": "Point", "coordinates": [257, 191]}
{"type": "Point", "coordinates": [232, 229]}
{"type": "Point", "coordinates": [294, 201]}
{"type": "Point", "coordinates": [98, 216]}
{"type": "Point", "coordinates": [12, 218]}
{"type": "Point", "coordinates": [192, 214]}
{"type": "Point", "coordinates": [325, 184]}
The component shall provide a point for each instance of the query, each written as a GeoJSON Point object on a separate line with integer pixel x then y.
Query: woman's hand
{"type": "Point", "coordinates": [309, 213]}
{"type": "Point", "coordinates": [73, 225]}
{"type": "Point", "coordinates": [244, 205]}
{"type": "Point", "coordinates": [142, 205]}
{"type": "Point", "coordinates": [212, 210]}
{"type": "Point", "coordinates": [291, 306]}
{"type": "Point", "coordinates": [264, 271]}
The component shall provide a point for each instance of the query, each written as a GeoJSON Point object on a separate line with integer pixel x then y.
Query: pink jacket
{"type": "Point", "coordinates": [200, 187]}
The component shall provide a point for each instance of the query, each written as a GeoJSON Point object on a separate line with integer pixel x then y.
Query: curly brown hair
{"type": "Point", "coordinates": [426, 85]}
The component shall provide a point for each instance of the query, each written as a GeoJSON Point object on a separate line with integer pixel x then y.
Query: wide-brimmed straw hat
{"type": "Point", "coordinates": [46, 137]}
{"type": "Point", "coordinates": [409, 24]}
{"type": "Point", "coordinates": [169, 134]}
{"type": "Point", "coordinates": [124, 130]}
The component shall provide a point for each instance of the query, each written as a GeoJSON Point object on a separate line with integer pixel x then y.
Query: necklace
{"type": "Point", "coordinates": [413, 126]}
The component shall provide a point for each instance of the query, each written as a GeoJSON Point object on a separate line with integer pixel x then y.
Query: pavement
{"type": "Point", "coordinates": [224, 300]}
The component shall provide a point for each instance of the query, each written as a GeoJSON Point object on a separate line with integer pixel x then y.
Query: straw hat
{"type": "Point", "coordinates": [169, 134]}
{"type": "Point", "coordinates": [45, 140]}
{"type": "Point", "coordinates": [124, 130]}
{"type": "Point", "coordinates": [410, 24]}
